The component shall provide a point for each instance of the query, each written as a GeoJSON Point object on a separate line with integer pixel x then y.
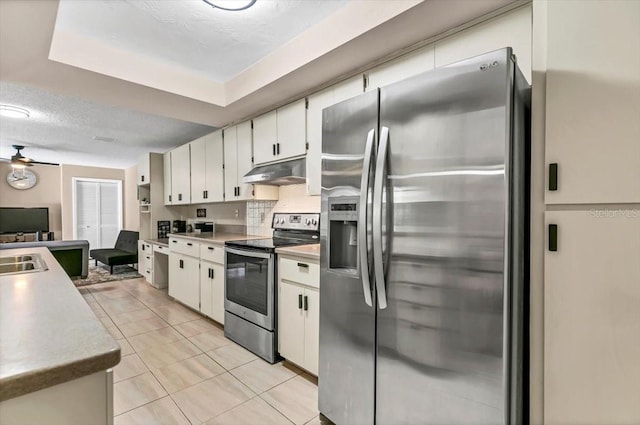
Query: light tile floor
{"type": "Point", "coordinates": [177, 366]}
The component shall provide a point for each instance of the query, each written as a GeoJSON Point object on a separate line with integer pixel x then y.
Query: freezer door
{"type": "Point", "coordinates": [441, 335]}
{"type": "Point", "coordinates": [347, 317]}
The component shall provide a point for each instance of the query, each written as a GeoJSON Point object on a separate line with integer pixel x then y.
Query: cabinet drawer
{"type": "Point", "coordinates": [148, 274]}
{"type": "Point", "coordinates": [185, 247]}
{"type": "Point", "coordinates": [161, 248]}
{"type": "Point", "coordinates": [213, 253]}
{"type": "Point", "coordinates": [302, 271]}
{"type": "Point", "coordinates": [147, 259]}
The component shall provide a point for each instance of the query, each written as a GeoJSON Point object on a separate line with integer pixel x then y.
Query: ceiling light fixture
{"type": "Point", "coordinates": [13, 111]}
{"type": "Point", "coordinates": [231, 5]}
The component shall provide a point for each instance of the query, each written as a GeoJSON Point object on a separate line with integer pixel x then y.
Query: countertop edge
{"type": "Point", "coordinates": [18, 385]}
{"type": "Point", "coordinates": [214, 238]}
{"type": "Point", "coordinates": [295, 252]}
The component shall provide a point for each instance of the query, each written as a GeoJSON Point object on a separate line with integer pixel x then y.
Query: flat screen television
{"type": "Point", "coordinates": [24, 220]}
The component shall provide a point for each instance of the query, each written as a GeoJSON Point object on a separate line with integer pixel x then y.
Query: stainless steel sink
{"type": "Point", "coordinates": [16, 267]}
{"type": "Point", "coordinates": [16, 259]}
{"type": "Point", "coordinates": [18, 264]}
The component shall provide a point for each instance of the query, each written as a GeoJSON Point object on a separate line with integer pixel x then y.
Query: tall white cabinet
{"type": "Point", "coordinates": [589, 52]}
{"type": "Point", "coordinates": [207, 173]}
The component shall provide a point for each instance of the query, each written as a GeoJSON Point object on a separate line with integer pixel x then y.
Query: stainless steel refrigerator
{"type": "Point", "coordinates": [425, 249]}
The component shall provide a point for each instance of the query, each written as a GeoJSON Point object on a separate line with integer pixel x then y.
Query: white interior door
{"type": "Point", "coordinates": [97, 211]}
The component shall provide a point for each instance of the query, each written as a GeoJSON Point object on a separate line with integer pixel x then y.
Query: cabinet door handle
{"type": "Point", "coordinates": [204, 194]}
{"type": "Point", "coordinates": [179, 196]}
{"type": "Point", "coordinates": [143, 247]}
{"type": "Point", "coordinates": [273, 148]}
{"type": "Point", "coordinates": [142, 178]}
{"type": "Point", "coordinates": [300, 301]}
{"type": "Point", "coordinates": [189, 244]}
{"type": "Point", "coordinates": [169, 198]}
{"type": "Point", "coordinates": [278, 148]}
{"type": "Point", "coordinates": [181, 264]}
{"type": "Point", "coordinates": [303, 265]}
{"type": "Point", "coordinates": [553, 176]}
{"type": "Point", "coordinates": [210, 248]}
{"type": "Point", "coordinates": [553, 237]}
{"type": "Point", "coordinates": [212, 274]}
{"type": "Point", "coordinates": [174, 241]}
{"type": "Point", "coordinates": [306, 303]}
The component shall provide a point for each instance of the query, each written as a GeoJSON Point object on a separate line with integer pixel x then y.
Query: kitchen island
{"type": "Point", "coordinates": [55, 354]}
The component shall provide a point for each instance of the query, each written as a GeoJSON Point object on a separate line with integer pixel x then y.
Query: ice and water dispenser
{"type": "Point", "coordinates": [343, 235]}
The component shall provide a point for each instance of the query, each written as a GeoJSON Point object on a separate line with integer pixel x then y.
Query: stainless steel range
{"type": "Point", "coordinates": [251, 273]}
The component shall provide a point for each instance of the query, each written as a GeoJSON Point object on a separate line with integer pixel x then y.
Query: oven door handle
{"type": "Point", "coordinates": [247, 253]}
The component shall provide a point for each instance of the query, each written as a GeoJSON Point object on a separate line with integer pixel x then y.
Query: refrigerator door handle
{"type": "Point", "coordinates": [362, 218]}
{"type": "Point", "coordinates": [378, 185]}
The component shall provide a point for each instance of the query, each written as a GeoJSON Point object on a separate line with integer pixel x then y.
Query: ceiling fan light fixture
{"type": "Point", "coordinates": [230, 5]}
{"type": "Point", "coordinates": [14, 111]}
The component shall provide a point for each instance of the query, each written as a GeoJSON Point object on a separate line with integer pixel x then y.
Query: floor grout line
{"type": "Point", "coordinates": [153, 371]}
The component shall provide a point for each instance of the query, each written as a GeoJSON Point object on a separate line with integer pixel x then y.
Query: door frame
{"type": "Point", "coordinates": [74, 200]}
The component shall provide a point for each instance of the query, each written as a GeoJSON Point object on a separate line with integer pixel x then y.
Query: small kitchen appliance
{"type": "Point", "coordinates": [179, 226]}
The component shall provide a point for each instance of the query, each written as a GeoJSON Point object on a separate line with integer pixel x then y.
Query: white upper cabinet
{"type": "Point", "coordinates": [510, 30]}
{"type": "Point", "coordinates": [593, 102]}
{"type": "Point", "coordinates": [180, 175]}
{"type": "Point", "coordinates": [167, 178]}
{"type": "Point", "coordinates": [244, 147]}
{"type": "Point", "coordinates": [292, 128]}
{"type": "Point", "coordinates": [317, 102]}
{"type": "Point", "coordinates": [198, 170]}
{"type": "Point", "coordinates": [230, 163]}
{"type": "Point", "coordinates": [401, 68]}
{"type": "Point", "coordinates": [144, 169]}
{"type": "Point", "coordinates": [265, 137]}
{"type": "Point", "coordinates": [206, 169]}
{"type": "Point", "coordinates": [280, 134]}
{"type": "Point", "coordinates": [237, 163]}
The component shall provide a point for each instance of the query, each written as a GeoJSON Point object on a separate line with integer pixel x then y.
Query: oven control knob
{"type": "Point", "coordinates": [308, 221]}
{"type": "Point", "coordinates": [314, 221]}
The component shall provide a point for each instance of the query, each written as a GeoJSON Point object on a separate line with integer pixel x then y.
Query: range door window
{"type": "Point", "coordinates": [249, 280]}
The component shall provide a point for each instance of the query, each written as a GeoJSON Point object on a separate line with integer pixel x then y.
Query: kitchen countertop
{"type": "Point", "coordinates": [306, 251]}
{"type": "Point", "coordinates": [48, 333]}
{"type": "Point", "coordinates": [218, 238]}
{"type": "Point", "coordinates": [162, 242]}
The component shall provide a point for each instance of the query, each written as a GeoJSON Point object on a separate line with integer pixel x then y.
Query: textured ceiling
{"type": "Point", "coordinates": [61, 129]}
{"type": "Point", "coordinates": [190, 34]}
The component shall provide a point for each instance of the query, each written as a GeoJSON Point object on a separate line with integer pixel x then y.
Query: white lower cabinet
{"type": "Point", "coordinates": [299, 312]}
{"type": "Point", "coordinates": [197, 279]}
{"type": "Point", "coordinates": [145, 260]}
{"type": "Point", "coordinates": [212, 290]}
{"type": "Point", "coordinates": [184, 279]}
{"type": "Point", "coordinates": [592, 317]}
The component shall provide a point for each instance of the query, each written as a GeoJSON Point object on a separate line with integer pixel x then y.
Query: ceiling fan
{"type": "Point", "coordinates": [19, 160]}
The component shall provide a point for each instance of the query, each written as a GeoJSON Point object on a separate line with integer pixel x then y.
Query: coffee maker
{"type": "Point", "coordinates": [179, 226]}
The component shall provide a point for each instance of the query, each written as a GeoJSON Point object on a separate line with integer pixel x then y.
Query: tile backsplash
{"type": "Point", "coordinates": [293, 199]}
{"type": "Point", "coordinates": [259, 215]}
